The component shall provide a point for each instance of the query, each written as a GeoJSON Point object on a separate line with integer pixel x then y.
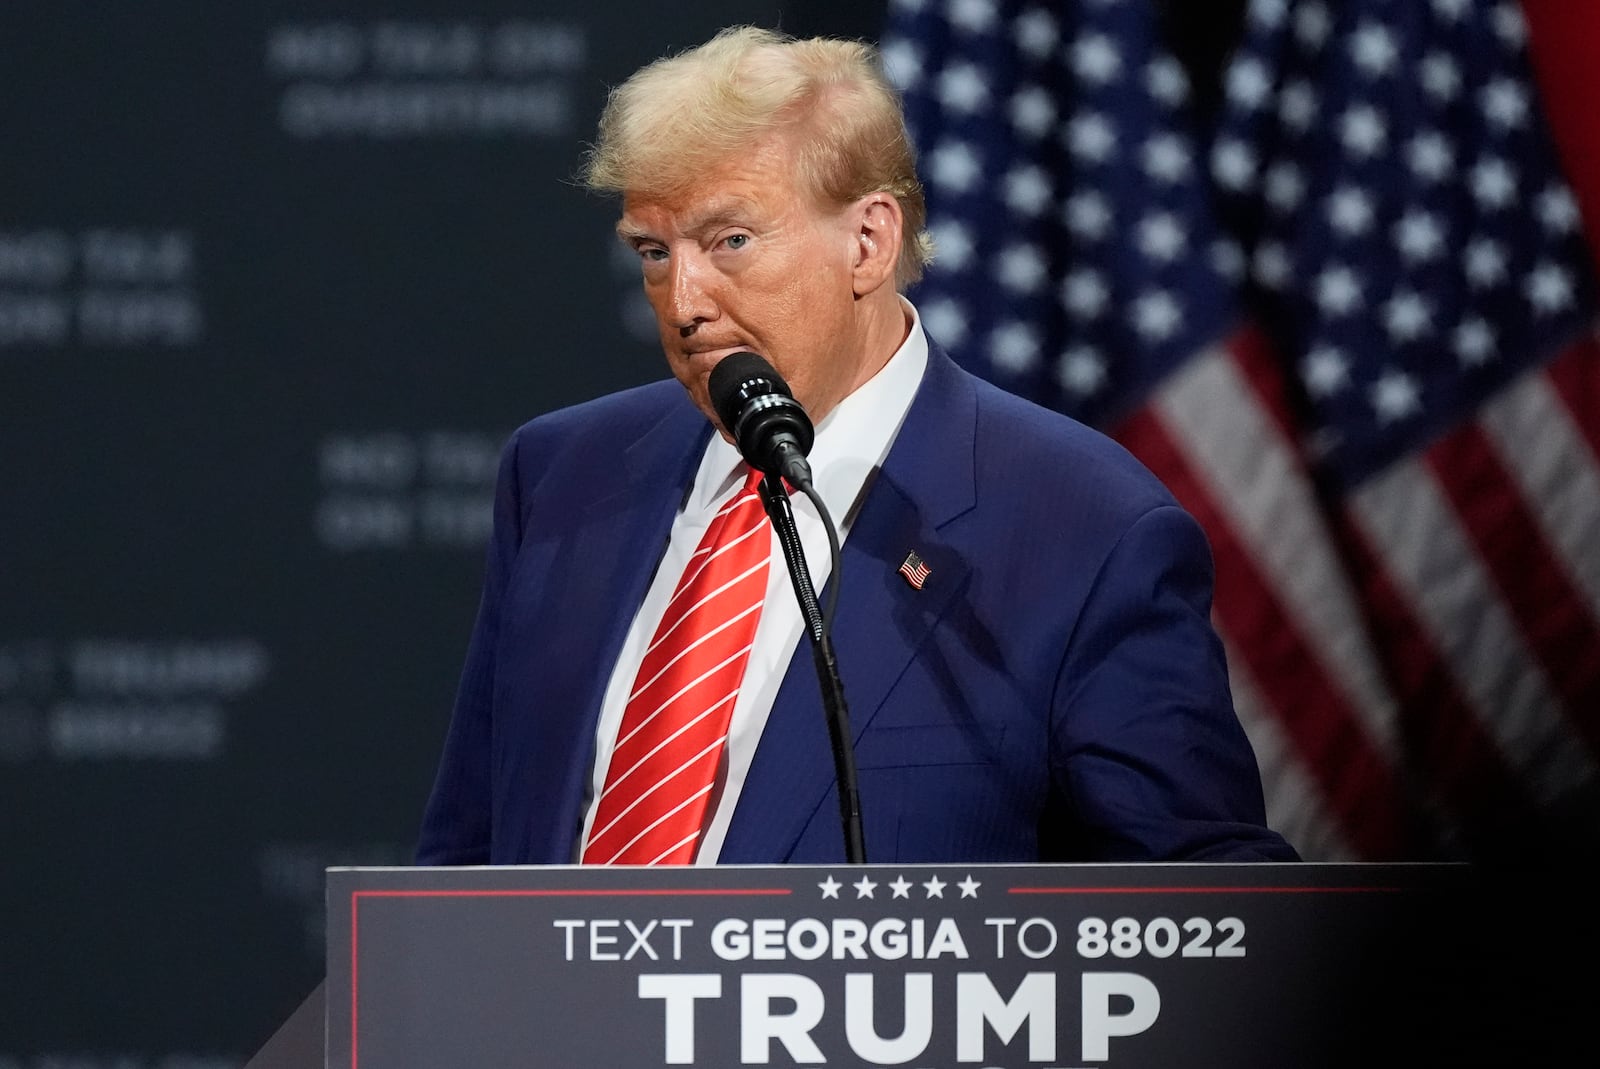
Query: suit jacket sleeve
{"type": "Point", "coordinates": [1146, 742]}
{"type": "Point", "coordinates": [456, 825]}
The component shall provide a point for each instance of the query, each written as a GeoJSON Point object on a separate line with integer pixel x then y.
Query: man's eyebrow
{"type": "Point", "coordinates": [734, 210]}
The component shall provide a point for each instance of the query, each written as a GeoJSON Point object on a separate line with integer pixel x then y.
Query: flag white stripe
{"type": "Point", "coordinates": [1416, 535]}
{"type": "Point", "coordinates": [1536, 439]}
{"type": "Point", "coordinates": [1254, 477]}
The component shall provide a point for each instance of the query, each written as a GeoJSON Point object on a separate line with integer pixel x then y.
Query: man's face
{"type": "Point", "coordinates": [748, 260]}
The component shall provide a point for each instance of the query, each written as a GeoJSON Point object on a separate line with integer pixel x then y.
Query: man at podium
{"type": "Point", "coordinates": [1020, 610]}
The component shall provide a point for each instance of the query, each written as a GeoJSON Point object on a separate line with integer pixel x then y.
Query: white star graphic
{"type": "Point", "coordinates": [1312, 23]}
{"type": "Point", "coordinates": [1373, 49]}
{"type": "Point", "coordinates": [1557, 210]}
{"type": "Point", "coordinates": [1505, 103]}
{"type": "Point", "coordinates": [1271, 265]}
{"type": "Point", "coordinates": [1494, 182]}
{"type": "Point", "coordinates": [1268, 12]}
{"type": "Point", "coordinates": [1014, 347]}
{"type": "Point", "coordinates": [1430, 157]}
{"type": "Point", "coordinates": [1407, 316]}
{"type": "Point", "coordinates": [935, 887]}
{"type": "Point", "coordinates": [1395, 396]}
{"type": "Point", "coordinates": [901, 887]}
{"type": "Point", "coordinates": [1419, 236]}
{"type": "Point", "coordinates": [962, 89]}
{"type": "Point", "coordinates": [1165, 80]}
{"type": "Point", "coordinates": [1297, 105]}
{"type": "Point", "coordinates": [1338, 290]}
{"type": "Point", "coordinates": [1027, 190]}
{"type": "Point", "coordinates": [1157, 315]}
{"type": "Point", "coordinates": [830, 887]}
{"type": "Point", "coordinates": [1325, 371]}
{"type": "Point", "coordinates": [1285, 187]}
{"type": "Point", "coordinates": [969, 887]}
{"type": "Point", "coordinates": [1087, 215]}
{"type": "Point", "coordinates": [954, 166]}
{"type": "Point", "coordinates": [1248, 84]}
{"type": "Point", "coordinates": [1090, 137]}
{"type": "Point", "coordinates": [1081, 371]}
{"type": "Point", "coordinates": [1233, 164]}
{"type": "Point", "coordinates": [1022, 268]}
{"type": "Point", "coordinates": [1033, 112]}
{"type": "Point", "coordinates": [1474, 343]}
{"type": "Point", "coordinates": [1549, 288]}
{"type": "Point", "coordinates": [975, 16]}
{"type": "Point", "coordinates": [1227, 259]}
{"type": "Point", "coordinates": [1362, 131]}
{"type": "Point", "coordinates": [1166, 158]}
{"type": "Point", "coordinates": [1096, 59]}
{"type": "Point", "coordinates": [902, 62]}
{"type": "Point", "coordinates": [1485, 262]}
{"type": "Point", "coordinates": [1035, 33]}
{"type": "Point", "coordinates": [1350, 211]}
{"type": "Point", "coordinates": [945, 320]}
{"type": "Point", "coordinates": [952, 243]}
{"type": "Point", "coordinates": [1441, 77]}
{"type": "Point", "coordinates": [1509, 25]}
{"type": "Point", "coordinates": [1161, 237]}
{"type": "Point", "coordinates": [864, 887]}
{"type": "Point", "coordinates": [1084, 293]}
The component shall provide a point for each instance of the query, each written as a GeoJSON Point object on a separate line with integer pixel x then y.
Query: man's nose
{"type": "Point", "coordinates": [689, 300]}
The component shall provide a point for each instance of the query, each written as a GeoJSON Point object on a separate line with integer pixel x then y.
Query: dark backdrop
{"type": "Point", "coordinates": [276, 281]}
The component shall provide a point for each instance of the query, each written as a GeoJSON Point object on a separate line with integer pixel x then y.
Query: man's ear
{"type": "Point", "coordinates": [877, 231]}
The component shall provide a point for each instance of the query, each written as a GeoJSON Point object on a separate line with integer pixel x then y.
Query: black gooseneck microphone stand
{"type": "Point", "coordinates": [818, 627]}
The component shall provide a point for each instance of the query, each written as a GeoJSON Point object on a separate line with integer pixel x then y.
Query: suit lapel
{"type": "Point", "coordinates": [925, 482]}
{"type": "Point", "coordinates": [599, 575]}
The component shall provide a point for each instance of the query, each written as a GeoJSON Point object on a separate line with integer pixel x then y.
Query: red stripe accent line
{"type": "Point", "coordinates": [1205, 890]}
{"type": "Point", "coordinates": [1353, 774]}
{"type": "Point", "coordinates": [1526, 570]}
{"type": "Point", "coordinates": [578, 893]}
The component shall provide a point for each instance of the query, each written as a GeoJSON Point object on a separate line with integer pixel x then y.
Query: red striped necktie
{"type": "Point", "coordinates": [664, 766]}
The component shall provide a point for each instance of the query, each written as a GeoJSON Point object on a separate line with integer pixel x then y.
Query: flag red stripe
{"type": "Point", "coordinates": [1354, 775]}
{"type": "Point", "coordinates": [1263, 365]}
{"type": "Point", "coordinates": [1452, 754]}
{"type": "Point", "coordinates": [1575, 374]}
{"type": "Point", "coordinates": [1526, 570]}
{"type": "Point", "coordinates": [1563, 40]}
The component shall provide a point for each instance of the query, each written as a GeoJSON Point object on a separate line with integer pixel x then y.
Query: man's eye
{"type": "Point", "coordinates": [652, 255]}
{"type": "Point", "coordinates": [737, 241]}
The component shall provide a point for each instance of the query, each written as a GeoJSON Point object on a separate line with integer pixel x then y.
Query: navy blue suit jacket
{"type": "Point", "coordinates": [1054, 692]}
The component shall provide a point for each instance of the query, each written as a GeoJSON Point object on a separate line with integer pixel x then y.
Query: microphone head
{"type": "Point", "coordinates": [757, 408]}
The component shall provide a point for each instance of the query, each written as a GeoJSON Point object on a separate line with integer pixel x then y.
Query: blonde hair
{"type": "Point", "coordinates": [673, 118]}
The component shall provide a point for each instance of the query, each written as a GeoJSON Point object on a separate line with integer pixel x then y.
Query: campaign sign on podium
{"type": "Point", "coordinates": [1127, 966]}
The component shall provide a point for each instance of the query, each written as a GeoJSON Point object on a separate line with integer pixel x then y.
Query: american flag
{"type": "Point", "coordinates": [916, 570]}
{"type": "Point", "coordinates": [1350, 321]}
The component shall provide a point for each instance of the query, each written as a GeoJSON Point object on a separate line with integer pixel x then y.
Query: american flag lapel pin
{"type": "Point", "coordinates": [916, 570]}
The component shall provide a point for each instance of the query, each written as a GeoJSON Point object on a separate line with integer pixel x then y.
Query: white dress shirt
{"type": "Point", "coordinates": [850, 444]}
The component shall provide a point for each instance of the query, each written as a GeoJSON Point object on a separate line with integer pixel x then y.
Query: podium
{"type": "Point", "coordinates": [942, 966]}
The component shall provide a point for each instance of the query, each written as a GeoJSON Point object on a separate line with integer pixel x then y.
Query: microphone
{"type": "Point", "coordinates": [772, 431]}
